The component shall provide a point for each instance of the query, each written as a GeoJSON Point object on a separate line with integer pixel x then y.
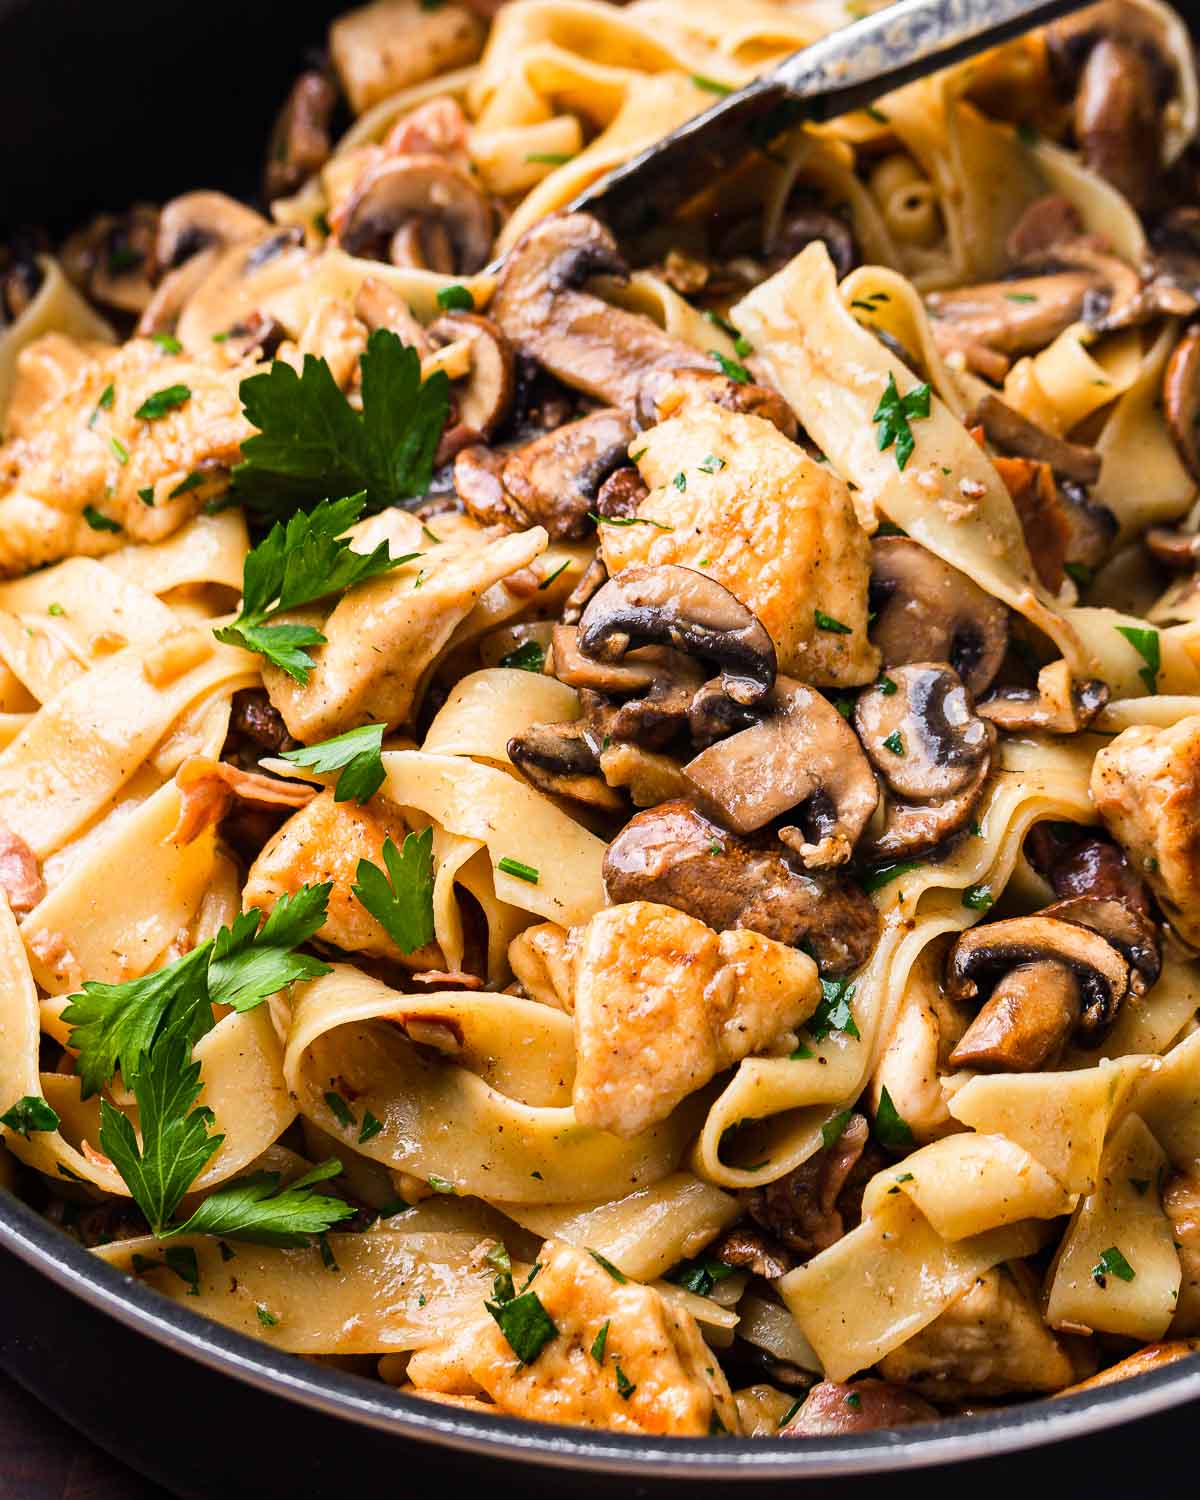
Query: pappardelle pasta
{"type": "Point", "coordinates": [615, 841]}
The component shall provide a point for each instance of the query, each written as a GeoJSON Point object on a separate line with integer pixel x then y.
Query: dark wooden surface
{"type": "Point", "coordinates": [41, 1458]}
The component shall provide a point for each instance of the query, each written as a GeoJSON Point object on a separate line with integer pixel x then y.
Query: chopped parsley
{"type": "Point", "coordinates": [833, 1128]}
{"type": "Point", "coordinates": [605, 1264]}
{"type": "Point", "coordinates": [167, 342]}
{"type": "Point", "coordinates": [104, 403]}
{"type": "Point", "coordinates": [625, 1386]}
{"type": "Point", "coordinates": [627, 521]}
{"type": "Point", "coordinates": [827, 622]}
{"type": "Point", "coordinates": [28, 1114]}
{"type": "Point", "coordinates": [401, 899]}
{"type": "Point", "coordinates": [312, 444]}
{"type": "Point", "coordinates": [710, 85]}
{"type": "Point", "coordinates": [527, 657]}
{"type": "Point", "coordinates": [680, 481]}
{"type": "Point", "coordinates": [306, 560]}
{"type": "Point", "coordinates": [894, 414]}
{"type": "Point", "coordinates": [833, 1012]}
{"type": "Point", "coordinates": [894, 743]}
{"type": "Point", "coordinates": [1019, 297]}
{"type": "Point", "coordinates": [876, 114]}
{"type": "Point", "coordinates": [55, 609]}
{"type": "Point", "coordinates": [1112, 1263]}
{"type": "Point", "coordinates": [711, 464]}
{"type": "Point", "coordinates": [550, 158]}
{"type": "Point", "coordinates": [741, 344]}
{"type": "Point", "coordinates": [526, 1325]}
{"type": "Point", "coordinates": [730, 367]}
{"type": "Point", "coordinates": [193, 482]}
{"type": "Point", "coordinates": [265, 1316]}
{"type": "Point", "coordinates": [700, 1275]}
{"type": "Point", "coordinates": [157, 406]}
{"type": "Point", "coordinates": [441, 1185]}
{"type": "Point", "coordinates": [456, 298]}
{"type": "Point", "coordinates": [881, 875]}
{"type": "Point", "coordinates": [978, 897]}
{"type": "Point", "coordinates": [558, 572]}
{"type": "Point", "coordinates": [853, 1400]}
{"type": "Point", "coordinates": [515, 868]}
{"type": "Point", "coordinates": [119, 451]}
{"type": "Point", "coordinates": [599, 1343]}
{"type": "Point", "coordinates": [891, 1129]}
{"type": "Point", "coordinates": [340, 1110]}
{"type": "Point", "coordinates": [886, 686]}
{"type": "Point", "coordinates": [357, 754]}
{"type": "Point", "coordinates": [182, 1260]}
{"type": "Point", "coordinates": [99, 522]}
{"type": "Point", "coordinates": [1148, 646]}
{"type": "Point", "coordinates": [146, 495]}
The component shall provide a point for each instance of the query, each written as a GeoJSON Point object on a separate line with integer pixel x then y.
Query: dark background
{"type": "Point", "coordinates": [103, 102]}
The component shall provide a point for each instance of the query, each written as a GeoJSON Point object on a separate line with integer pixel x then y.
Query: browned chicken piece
{"type": "Point", "coordinates": [654, 1373]}
{"type": "Point", "coordinates": [1181, 1202]}
{"type": "Point", "coordinates": [83, 473]}
{"type": "Point", "coordinates": [836, 1408]}
{"type": "Point", "coordinates": [325, 841]}
{"type": "Point", "coordinates": [1085, 862]}
{"type": "Point", "coordinates": [382, 636]}
{"type": "Point", "coordinates": [663, 1003]}
{"type": "Point", "coordinates": [382, 48]}
{"type": "Point", "coordinates": [731, 497]}
{"type": "Point", "coordinates": [990, 1342]}
{"type": "Point", "coordinates": [1146, 786]}
{"type": "Point", "coordinates": [801, 1208]}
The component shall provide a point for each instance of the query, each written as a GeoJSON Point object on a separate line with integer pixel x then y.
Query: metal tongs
{"type": "Point", "coordinates": [848, 69]}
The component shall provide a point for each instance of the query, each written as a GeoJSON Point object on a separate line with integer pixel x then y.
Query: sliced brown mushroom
{"type": "Point", "coordinates": [443, 220]}
{"type": "Point", "coordinates": [1031, 1012]}
{"type": "Point", "coordinates": [1174, 549]}
{"type": "Point", "coordinates": [1181, 400]}
{"type": "Point", "coordinates": [675, 855]}
{"type": "Point", "coordinates": [800, 226]}
{"type": "Point", "coordinates": [801, 759]}
{"type": "Point", "coordinates": [1117, 124]}
{"type": "Point", "coordinates": [903, 829]}
{"type": "Point", "coordinates": [751, 1250]}
{"type": "Point", "coordinates": [675, 606]}
{"type": "Point", "coordinates": [927, 610]}
{"type": "Point", "coordinates": [584, 341]}
{"type": "Point", "coordinates": [1059, 705]}
{"type": "Point", "coordinates": [656, 716]}
{"type": "Point", "coordinates": [665, 393]}
{"type": "Point", "coordinates": [802, 1208]}
{"type": "Point", "coordinates": [193, 230]}
{"type": "Point", "coordinates": [638, 671]}
{"type": "Point", "coordinates": [1047, 222]}
{"type": "Point", "coordinates": [300, 142]}
{"type": "Point", "coordinates": [553, 481]}
{"type": "Point", "coordinates": [594, 577]}
{"type": "Point", "coordinates": [1130, 932]}
{"type": "Point", "coordinates": [112, 259]}
{"type": "Point", "coordinates": [621, 494]}
{"type": "Point", "coordinates": [478, 484]}
{"type": "Point", "coordinates": [1017, 316]}
{"type": "Point", "coordinates": [985, 956]}
{"type": "Point", "coordinates": [1013, 433]}
{"type": "Point", "coordinates": [920, 733]}
{"type": "Point", "coordinates": [559, 758]}
{"type": "Point", "coordinates": [1079, 861]}
{"type": "Point", "coordinates": [485, 396]}
{"type": "Point", "coordinates": [380, 306]}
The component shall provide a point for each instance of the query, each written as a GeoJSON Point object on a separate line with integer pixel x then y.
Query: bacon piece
{"type": "Point", "coordinates": [207, 789]}
{"type": "Point", "coordinates": [20, 876]}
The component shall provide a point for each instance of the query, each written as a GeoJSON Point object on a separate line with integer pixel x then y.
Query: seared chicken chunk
{"type": "Point", "coordinates": [651, 1372]}
{"type": "Point", "coordinates": [384, 635]}
{"type": "Point", "coordinates": [991, 1341]}
{"type": "Point", "coordinates": [82, 473]}
{"type": "Point", "coordinates": [747, 507]}
{"type": "Point", "coordinates": [325, 841]}
{"type": "Point", "coordinates": [663, 1003]}
{"type": "Point", "coordinates": [1146, 786]}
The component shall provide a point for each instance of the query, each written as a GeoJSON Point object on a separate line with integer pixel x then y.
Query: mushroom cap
{"type": "Point", "coordinates": [984, 954]}
{"type": "Point", "coordinates": [558, 758]}
{"type": "Point", "coordinates": [911, 828]}
{"type": "Point", "coordinates": [927, 611]}
{"type": "Point", "coordinates": [1181, 400]}
{"type": "Point", "coordinates": [921, 733]}
{"type": "Point", "coordinates": [554, 480]}
{"type": "Point", "coordinates": [802, 755]}
{"type": "Point", "coordinates": [1131, 932]}
{"type": "Point", "coordinates": [675, 606]}
{"type": "Point", "coordinates": [401, 189]}
{"type": "Point", "coordinates": [485, 398]}
{"type": "Point", "coordinates": [1029, 1015]}
{"type": "Point", "coordinates": [200, 220]}
{"type": "Point", "coordinates": [1058, 706]}
{"type": "Point", "coordinates": [541, 305]}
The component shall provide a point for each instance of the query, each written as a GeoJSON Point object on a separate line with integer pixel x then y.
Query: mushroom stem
{"type": "Point", "coordinates": [1031, 1013]}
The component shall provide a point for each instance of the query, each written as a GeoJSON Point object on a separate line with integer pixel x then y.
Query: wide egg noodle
{"type": "Point", "coordinates": [56, 308]}
{"type": "Point", "coordinates": [491, 1120]}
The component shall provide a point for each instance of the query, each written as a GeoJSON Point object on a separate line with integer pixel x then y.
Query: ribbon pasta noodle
{"type": "Point", "coordinates": [586, 823]}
